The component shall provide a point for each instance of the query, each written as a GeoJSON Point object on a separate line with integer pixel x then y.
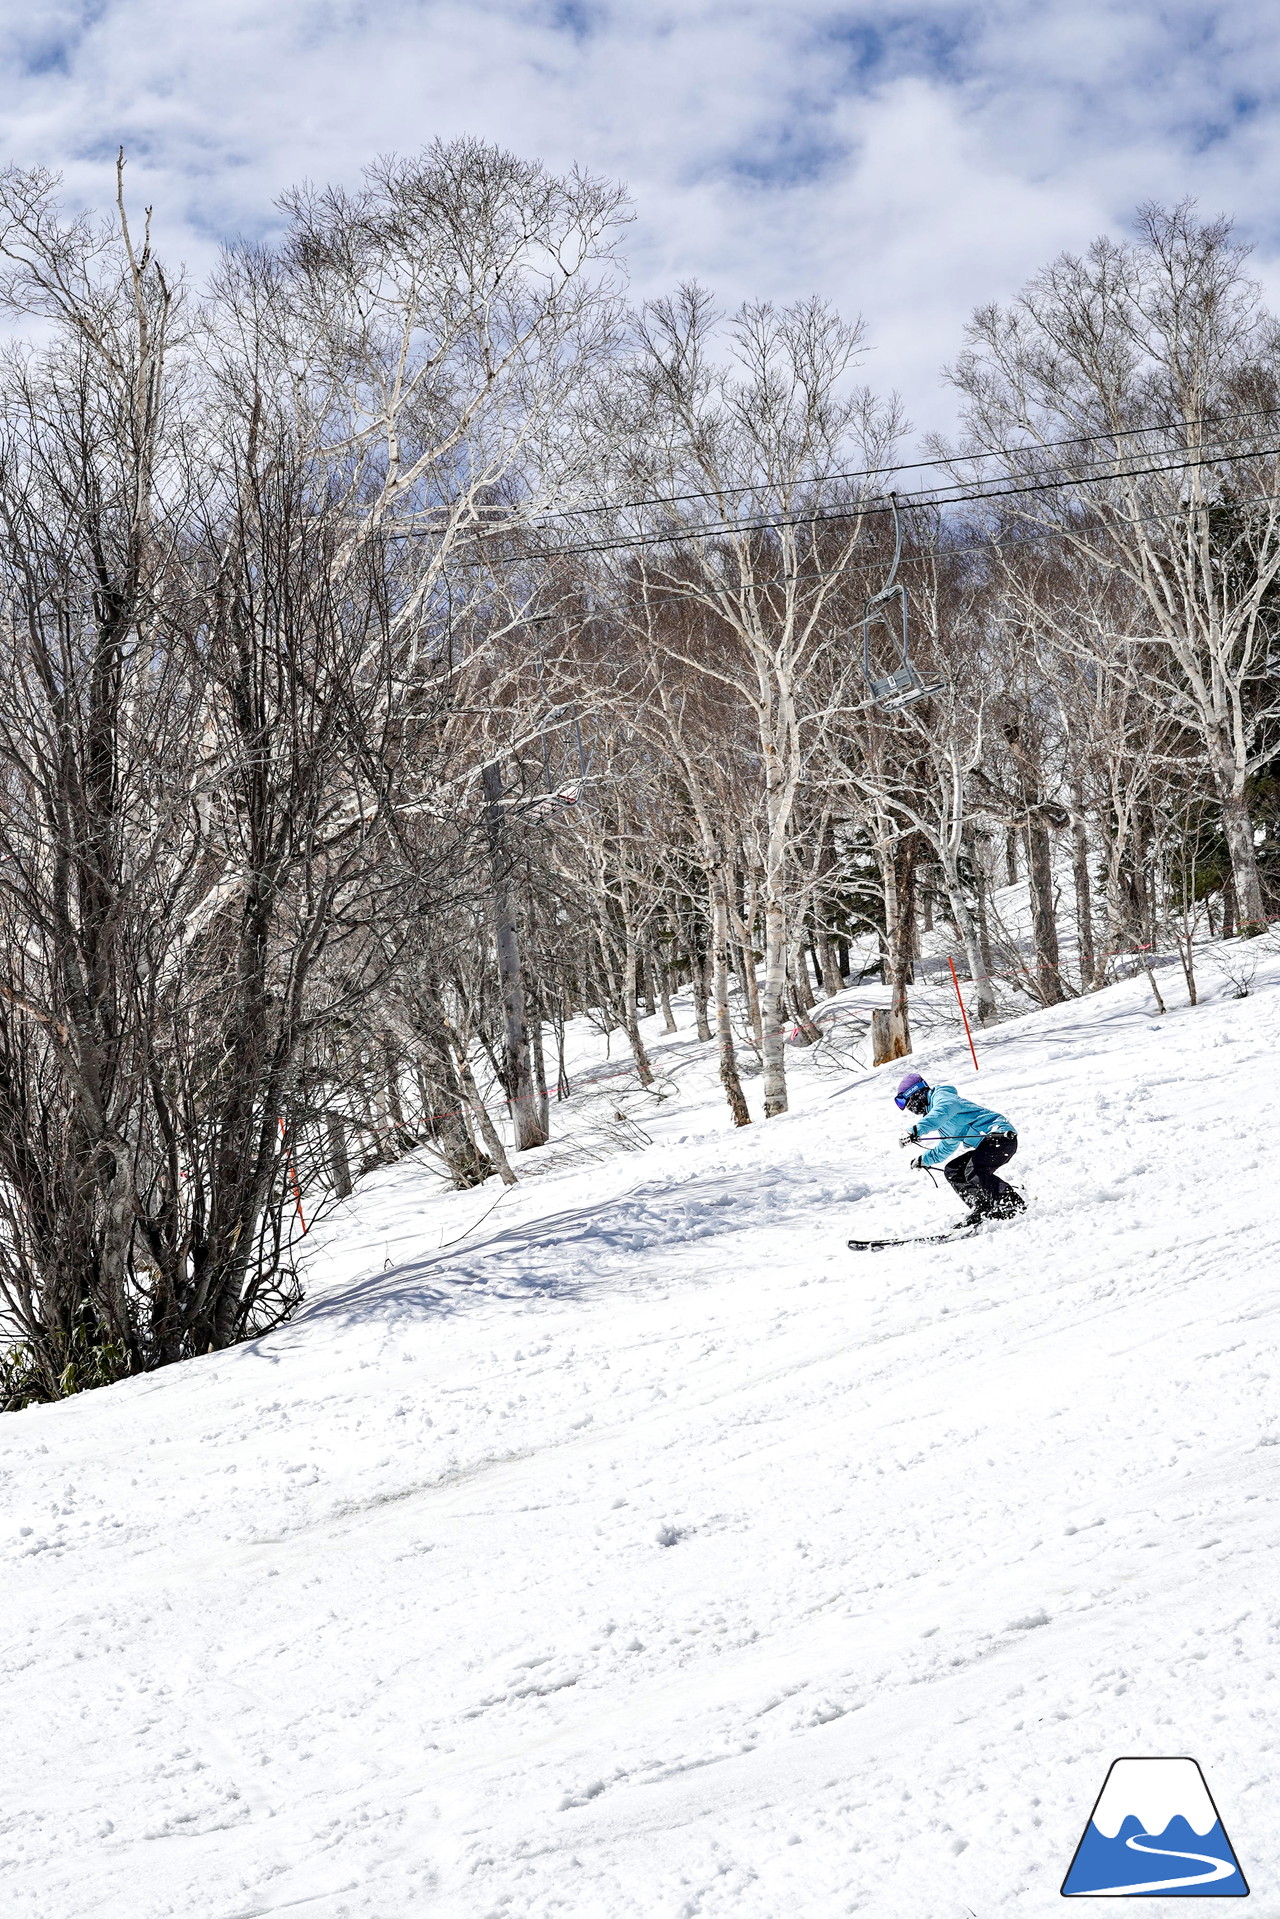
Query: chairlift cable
{"type": "Point", "coordinates": [929, 554]}
{"type": "Point", "coordinates": [909, 466]}
{"type": "Point", "coordinates": [926, 496]}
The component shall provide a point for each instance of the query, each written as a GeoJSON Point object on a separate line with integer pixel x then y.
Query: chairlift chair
{"type": "Point", "coordinates": [542, 808]}
{"type": "Point", "coordinates": [542, 805]}
{"type": "Point", "coordinates": [896, 690]}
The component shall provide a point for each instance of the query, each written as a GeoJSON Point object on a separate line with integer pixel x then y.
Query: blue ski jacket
{"type": "Point", "coordinates": [961, 1124]}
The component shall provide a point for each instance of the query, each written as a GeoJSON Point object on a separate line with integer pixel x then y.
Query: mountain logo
{"type": "Point", "coordinates": [1154, 1830]}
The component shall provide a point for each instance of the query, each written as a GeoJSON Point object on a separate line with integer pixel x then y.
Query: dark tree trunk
{"type": "Point", "coordinates": [1084, 895]}
{"type": "Point", "coordinates": [335, 1128]}
{"type": "Point", "coordinates": [449, 1106]}
{"type": "Point", "coordinates": [562, 1074]}
{"type": "Point", "coordinates": [645, 981]}
{"type": "Point", "coordinates": [542, 1092]}
{"type": "Point", "coordinates": [891, 1027]}
{"type": "Point", "coordinates": [700, 995]}
{"type": "Point", "coordinates": [829, 961]}
{"type": "Point", "coordinates": [517, 1063]}
{"type": "Point", "coordinates": [664, 996]}
{"type": "Point", "coordinates": [1044, 922]}
{"type": "Point", "coordinates": [729, 1079]}
{"type": "Point", "coordinates": [1229, 907]}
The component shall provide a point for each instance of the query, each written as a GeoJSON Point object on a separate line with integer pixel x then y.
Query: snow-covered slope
{"type": "Point", "coordinates": [638, 1550]}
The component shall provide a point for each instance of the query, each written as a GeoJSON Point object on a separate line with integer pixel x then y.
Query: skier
{"type": "Point", "coordinates": [972, 1142]}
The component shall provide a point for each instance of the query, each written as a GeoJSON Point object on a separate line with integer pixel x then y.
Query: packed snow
{"type": "Point", "coordinates": [624, 1545]}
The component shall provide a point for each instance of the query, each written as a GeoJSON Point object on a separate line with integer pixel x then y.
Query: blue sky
{"type": "Point", "coordinates": [906, 161]}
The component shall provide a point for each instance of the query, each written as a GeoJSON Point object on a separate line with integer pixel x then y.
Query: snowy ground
{"type": "Point", "coordinates": [644, 1552]}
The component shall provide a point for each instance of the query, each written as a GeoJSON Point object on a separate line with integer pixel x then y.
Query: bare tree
{"type": "Point", "coordinates": [176, 842]}
{"type": "Point", "coordinates": [1138, 384]}
{"type": "Point", "coordinates": [918, 765]}
{"type": "Point", "coordinates": [757, 438]}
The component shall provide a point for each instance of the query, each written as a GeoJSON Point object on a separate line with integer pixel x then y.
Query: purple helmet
{"type": "Point", "coordinates": [908, 1087]}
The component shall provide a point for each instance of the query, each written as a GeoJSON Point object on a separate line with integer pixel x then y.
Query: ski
{"type": "Point", "coordinates": [922, 1239]}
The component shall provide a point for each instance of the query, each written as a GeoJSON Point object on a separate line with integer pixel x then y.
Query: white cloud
{"type": "Point", "coordinates": [907, 161]}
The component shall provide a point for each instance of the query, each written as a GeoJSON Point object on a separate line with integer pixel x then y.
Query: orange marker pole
{"type": "Point", "coordinates": [297, 1190]}
{"type": "Point", "coordinates": [964, 1016]}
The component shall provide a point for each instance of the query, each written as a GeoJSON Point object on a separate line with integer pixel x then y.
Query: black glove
{"type": "Point", "coordinates": [917, 1163]}
{"type": "Point", "coordinates": [909, 1139]}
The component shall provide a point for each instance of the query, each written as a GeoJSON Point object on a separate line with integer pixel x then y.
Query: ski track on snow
{"type": "Point", "coordinates": [647, 1553]}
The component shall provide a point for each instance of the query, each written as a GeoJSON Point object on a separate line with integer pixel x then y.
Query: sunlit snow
{"type": "Point", "coordinates": [626, 1548]}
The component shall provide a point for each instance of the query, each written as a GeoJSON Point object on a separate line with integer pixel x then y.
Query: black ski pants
{"type": "Point", "coordinates": [973, 1176]}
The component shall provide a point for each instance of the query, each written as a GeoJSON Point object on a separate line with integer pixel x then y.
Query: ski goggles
{"type": "Point", "coordinates": [906, 1091]}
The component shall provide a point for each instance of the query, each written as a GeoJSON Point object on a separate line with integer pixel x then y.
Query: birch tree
{"type": "Point", "coordinates": [918, 765]}
{"type": "Point", "coordinates": [1138, 383]}
{"type": "Point", "coordinates": [760, 437]}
